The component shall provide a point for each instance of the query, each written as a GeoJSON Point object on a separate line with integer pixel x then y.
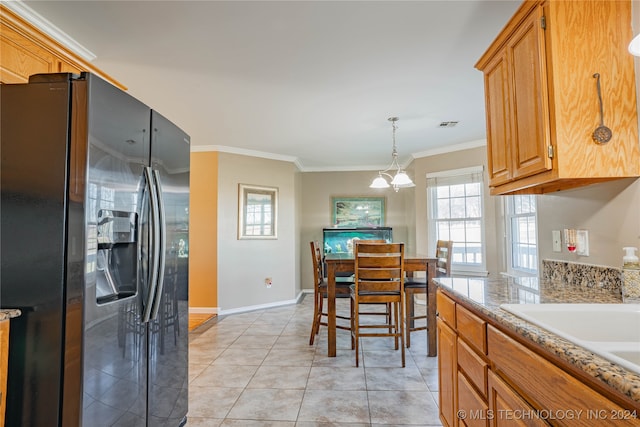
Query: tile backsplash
{"type": "Point", "coordinates": [582, 275]}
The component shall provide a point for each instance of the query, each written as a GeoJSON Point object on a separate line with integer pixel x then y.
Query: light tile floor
{"type": "Point", "coordinates": [258, 369]}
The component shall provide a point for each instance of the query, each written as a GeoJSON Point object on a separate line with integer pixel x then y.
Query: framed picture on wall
{"type": "Point", "coordinates": [257, 212]}
{"type": "Point", "coordinates": [357, 211]}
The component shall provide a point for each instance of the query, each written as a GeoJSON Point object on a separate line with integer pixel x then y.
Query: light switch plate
{"type": "Point", "coordinates": [557, 242]}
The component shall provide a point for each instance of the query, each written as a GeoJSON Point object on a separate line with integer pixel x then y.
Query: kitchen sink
{"type": "Point", "coordinates": [609, 330]}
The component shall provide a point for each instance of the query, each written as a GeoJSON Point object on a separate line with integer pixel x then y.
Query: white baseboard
{"type": "Point", "coordinates": [262, 306]}
{"type": "Point", "coordinates": [204, 310]}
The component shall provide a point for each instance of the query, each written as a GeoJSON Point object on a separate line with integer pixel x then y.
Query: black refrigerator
{"type": "Point", "coordinates": [94, 251]}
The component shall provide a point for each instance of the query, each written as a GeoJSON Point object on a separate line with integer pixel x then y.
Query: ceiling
{"type": "Point", "coordinates": [307, 81]}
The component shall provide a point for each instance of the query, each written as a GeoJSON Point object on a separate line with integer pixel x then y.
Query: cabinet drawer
{"type": "Point", "coordinates": [544, 385]}
{"type": "Point", "coordinates": [473, 366]}
{"type": "Point", "coordinates": [505, 404]}
{"type": "Point", "coordinates": [446, 309]}
{"type": "Point", "coordinates": [472, 404]}
{"type": "Point", "coordinates": [472, 328]}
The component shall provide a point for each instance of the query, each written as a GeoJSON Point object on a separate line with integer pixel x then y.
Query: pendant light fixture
{"type": "Point", "coordinates": [400, 179]}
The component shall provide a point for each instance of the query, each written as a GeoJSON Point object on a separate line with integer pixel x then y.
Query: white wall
{"type": "Point", "coordinates": [244, 264]}
{"type": "Point", "coordinates": [319, 187]}
{"type": "Point", "coordinates": [610, 211]}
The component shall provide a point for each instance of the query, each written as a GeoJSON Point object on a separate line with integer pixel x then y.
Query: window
{"type": "Point", "coordinates": [522, 236]}
{"type": "Point", "coordinates": [456, 213]}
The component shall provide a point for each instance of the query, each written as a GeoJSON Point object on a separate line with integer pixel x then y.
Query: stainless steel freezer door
{"type": "Point", "coordinates": [168, 378]}
{"type": "Point", "coordinates": [34, 147]}
{"type": "Point", "coordinates": [115, 339]}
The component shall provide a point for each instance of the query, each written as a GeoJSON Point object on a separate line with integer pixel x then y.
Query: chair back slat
{"type": "Point", "coordinates": [443, 255]}
{"type": "Point", "coordinates": [389, 286]}
{"type": "Point", "coordinates": [379, 261]}
{"type": "Point", "coordinates": [379, 273]}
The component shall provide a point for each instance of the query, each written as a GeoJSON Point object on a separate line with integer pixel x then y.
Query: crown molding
{"type": "Point", "coordinates": [366, 168]}
{"type": "Point", "coordinates": [450, 148]}
{"type": "Point", "coordinates": [44, 25]}
{"type": "Point", "coordinates": [245, 152]}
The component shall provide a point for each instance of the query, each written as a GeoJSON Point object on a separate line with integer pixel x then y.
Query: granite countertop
{"type": "Point", "coordinates": [486, 295]}
{"type": "Point", "coordinates": [6, 314]}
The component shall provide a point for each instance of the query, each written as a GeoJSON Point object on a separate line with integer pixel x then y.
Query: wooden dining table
{"type": "Point", "coordinates": [344, 262]}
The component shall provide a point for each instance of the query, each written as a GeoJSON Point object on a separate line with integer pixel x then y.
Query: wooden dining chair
{"type": "Point", "coordinates": [413, 286]}
{"type": "Point", "coordinates": [320, 293]}
{"type": "Point", "coordinates": [379, 278]}
{"type": "Point", "coordinates": [386, 311]}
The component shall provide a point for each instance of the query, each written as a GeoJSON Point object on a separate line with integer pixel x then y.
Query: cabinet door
{"type": "Point", "coordinates": [496, 85]}
{"type": "Point", "coordinates": [530, 135]}
{"type": "Point", "coordinates": [22, 58]}
{"type": "Point", "coordinates": [447, 367]}
{"type": "Point", "coordinates": [507, 408]}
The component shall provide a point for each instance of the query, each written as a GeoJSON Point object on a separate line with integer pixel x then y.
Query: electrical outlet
{"type": "Point", "coordinates": [268, 282]}
{"type": "Point", "coordinates": [582, 243]}
{"type": "Point", "coordinates": [557, 241]}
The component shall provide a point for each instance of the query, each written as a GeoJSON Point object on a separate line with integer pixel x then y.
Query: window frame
{"type": "Point", "coordinates": [509, 215]}
{"type": "Point", "coordinates": [453, 177]}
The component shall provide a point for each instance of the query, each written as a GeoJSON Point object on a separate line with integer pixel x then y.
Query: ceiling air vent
{"type": "Point", "coordinates": [447, 124]}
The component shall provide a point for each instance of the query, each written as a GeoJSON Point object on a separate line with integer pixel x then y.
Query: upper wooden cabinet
{"type": "Point", "coordinates": [542, 102]}
{"type": "Point", "coordinates": [26, 51]}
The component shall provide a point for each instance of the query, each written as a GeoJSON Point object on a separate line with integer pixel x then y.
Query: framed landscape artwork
{"type": "Point", "coordinates": [357, 211]}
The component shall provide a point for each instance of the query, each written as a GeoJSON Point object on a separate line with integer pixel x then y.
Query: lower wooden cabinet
{"type": "Point", "coordinates": [565, 399]}
{"type": "Point", "coordinates": [488, 378]}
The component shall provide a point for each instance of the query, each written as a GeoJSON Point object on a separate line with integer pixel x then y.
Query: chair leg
{"type": "Point", "coordinates": [409, 313]}
{"type": "Point", "coordinates": [351, 306]}
{"type": "Point", "coordinates": [317, 313]}
{"type": "Point", "coordinates": [401, 324]}
{"type": "Point", "coordinates": [355, 325]}
{"type": "Point", "coordinates": [396, 314]}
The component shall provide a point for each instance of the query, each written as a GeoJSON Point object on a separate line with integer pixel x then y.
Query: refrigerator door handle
{"type": "Point", "coordinates": [161, 245]}
{"type": "Point", "coordinates": [155, 247]}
